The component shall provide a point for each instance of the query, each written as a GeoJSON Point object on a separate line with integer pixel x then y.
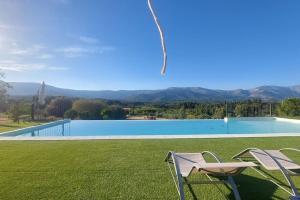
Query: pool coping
{"type": "Point", "coordinates": [131, 137]}
{"type": "Point", "coordinates": [204, 136]}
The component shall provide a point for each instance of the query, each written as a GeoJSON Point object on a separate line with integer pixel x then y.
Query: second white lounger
{"type": "Point", "coordinates": [275, 160]}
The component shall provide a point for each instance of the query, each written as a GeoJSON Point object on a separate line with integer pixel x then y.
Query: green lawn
{"type": "Point", "coordinates": [295, 117]}
{"type": "Point", "coordinates": [9, 126]}
{"type": "Point", "coordinates": [121, 169]}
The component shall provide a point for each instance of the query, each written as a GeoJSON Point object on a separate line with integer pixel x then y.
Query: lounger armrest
{"type": "Point", "coordinates": [290, 149]}
{"type": "Point", "coordinates": [169, 155]}
{"type": "Point", "coordinates": [245, 151]}
{"type": "Point", "coordinates": [213, 155]}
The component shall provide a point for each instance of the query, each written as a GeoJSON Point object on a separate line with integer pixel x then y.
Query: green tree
{"type": "Point", "coordinates": [241, 110]}
{"type": "Point", "coordinates": [15, 112]}
{"type": "Point", "coordinates": [113, 112]}
{"type": "Point", "coordinates": [19, 110]}
{"type": "Point", "coordinates": [219, 113]}
{"type": "Point", "coordinates": [59, 106]}
{"type": "Point", "coordinates": [71, 114]}
{"type": "Point", "coordinates": [290, 107]}
{"type": "Point", "coordinates": [181, 113]}
{"type": "Point", "coordinates": [89, 109]}
{"type": "Point", "coordinates": [3, 93]}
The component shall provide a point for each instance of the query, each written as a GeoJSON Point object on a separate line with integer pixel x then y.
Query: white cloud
{"type": "Point", "coordinates": [33, 50]}
{"type": "Point", "coordinates": [10, 47]}
{"type": "Point", "coordinates": [13, 49]}
{"type": "Point", "coordinates": [72, 52]}
{"type": "Point", "coordinates": [88, 40]}
{"type": "Point", "coordinates": [83, 38]}
{"type": "Point", "coordinates": [6, 26]}
{"type": "Point", "coordinates": [11, 65]}
{"type": "Point", "coordinates": [76, 51]}
{"type": "Point", "coordinates": [6, 44]}
{"type": "Point", "coordinates": [58, 68]}
{"type": "Point", "coordinates": [45, 56]}
{"type": "Point", "coordinates": [18, 67]}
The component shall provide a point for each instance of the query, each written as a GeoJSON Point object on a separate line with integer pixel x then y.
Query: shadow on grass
{"type": "Point", "coordinates": [254, 188]}
{"type": "Point", "coordinates": [249, 188]}
{"type": "Point", "coordinates": [272, 176]}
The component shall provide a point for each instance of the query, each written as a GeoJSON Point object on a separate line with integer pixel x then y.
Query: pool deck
{"type": "Point", "coordinates": [142, 137]}
{"type": "Point", "coordinates": [133, 137]}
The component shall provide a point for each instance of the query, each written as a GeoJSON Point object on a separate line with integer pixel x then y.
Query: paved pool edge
{"type": "Point", "coordinates": [206, 136]}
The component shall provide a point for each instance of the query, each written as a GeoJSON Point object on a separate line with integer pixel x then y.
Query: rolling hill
{"type": "Point", "coordinates": [169, 94]}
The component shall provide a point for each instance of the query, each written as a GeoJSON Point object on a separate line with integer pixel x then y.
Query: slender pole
{"type": "Point", "coordinates": [162, 38]}
{"type": "Point", "coordinates": [226, 109]}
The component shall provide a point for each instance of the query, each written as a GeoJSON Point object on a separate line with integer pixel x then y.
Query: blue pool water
{"type": "Point", "coordinates": [162, 127]}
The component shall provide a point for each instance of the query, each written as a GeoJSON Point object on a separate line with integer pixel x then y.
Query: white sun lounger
{"type": "Point", "coordinates": [187, 163]}
{"type": "Point", "coordinates": [275, 160]}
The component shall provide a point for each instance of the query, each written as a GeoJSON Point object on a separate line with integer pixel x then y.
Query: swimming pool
{"type": "Point", "coordinates": [160, 128]}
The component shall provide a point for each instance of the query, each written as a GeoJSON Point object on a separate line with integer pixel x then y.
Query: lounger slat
{"type": "Point", "coordinates": [227, 165]}
{"type": "Point", "coordinates": [228, 168]}
{"type": "Point", "coordinates": [186, 162]}
{"type": "Point", "coordinates": [268, 163]}
{"type": "Point", "coordinates": [194, 162]}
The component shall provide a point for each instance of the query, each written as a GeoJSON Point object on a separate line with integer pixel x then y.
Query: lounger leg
{"type": "Point", "coordinates": [234, 188]}
{"type": "Point", "coordinates": [180, 187]}
{"type": "Point", "coordinates": [179, 177]}
{"type": "Point", "coordinates": [178, 180]}
{"type": "Point", "coordinates": [292, 185]}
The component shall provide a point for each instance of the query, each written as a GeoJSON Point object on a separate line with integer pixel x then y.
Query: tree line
{"type": "Point", "coordinates": [218, 110]}
{"type": "Point", "coordinates": [62, 107]}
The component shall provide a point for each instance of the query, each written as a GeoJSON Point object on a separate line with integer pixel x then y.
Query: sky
{"type": "Point", "coordinates": [114, 44]}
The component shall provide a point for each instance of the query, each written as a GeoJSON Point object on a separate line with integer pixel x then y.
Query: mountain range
{"type": "Point", "coordinates": [162, 95]}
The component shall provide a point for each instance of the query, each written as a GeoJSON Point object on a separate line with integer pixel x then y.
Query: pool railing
{"type": "Point", "coordinates": [35, 128]}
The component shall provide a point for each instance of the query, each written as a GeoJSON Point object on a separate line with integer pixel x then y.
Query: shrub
{"type": "Point", "coordinates": [3, 93]}
{"type": "Point", "coordinates": [51, 118]}
{"type": "Point", "coordinates": [89, 109]}
{"type": "Point", "coordinates": [290, 107]}
{"type": "Point", "coordinates": [219, 113]}
{"type": "Point", "coordinates": [59, 106]}
{"type": "Point", "coordinates": [18, 110]}
{"type": "Point", "coordinates": [113, 112]}
{"type": "Point", "coordinates": [71, 114]}
{"type": "Point", "coordinates": [15, 112]}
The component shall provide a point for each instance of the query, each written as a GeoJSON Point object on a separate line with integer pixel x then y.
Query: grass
{"type": "Point", "coordinates": [10, 126]}
{"type": "Point", "coordinates": [121, 169]}
{"type": "Point", "coordinates": [295, 117]}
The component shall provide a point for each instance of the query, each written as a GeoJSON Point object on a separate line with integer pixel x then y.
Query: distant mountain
{"type": "Point", "coordinates": [30, 89]}
{"type": "Point", "coordinates": [169, 94]}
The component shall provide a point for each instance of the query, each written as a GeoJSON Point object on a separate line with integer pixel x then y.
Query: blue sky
{"type": "Point", "coordinates": [114, 44]}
